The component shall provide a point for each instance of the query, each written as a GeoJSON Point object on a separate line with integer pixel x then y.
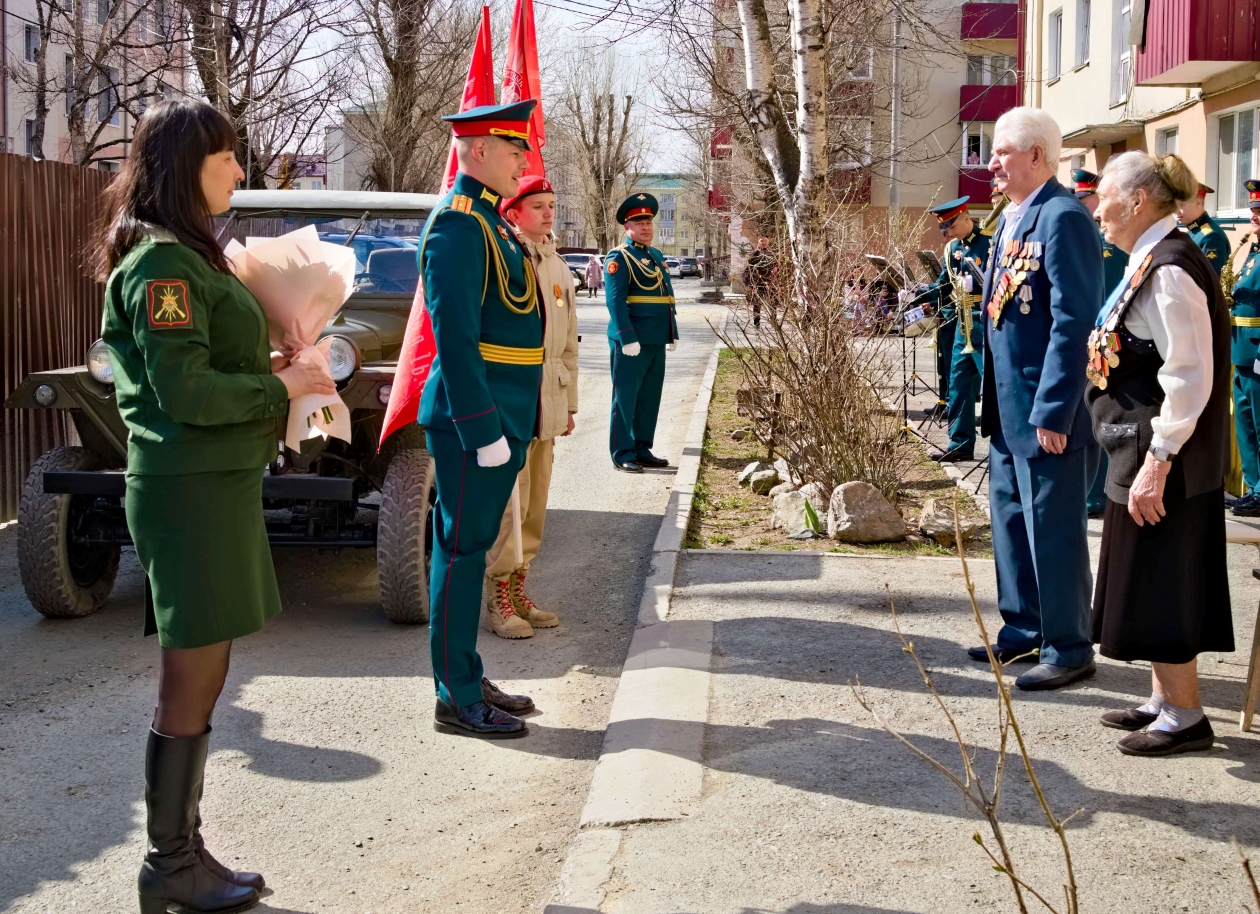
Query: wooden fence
{"type": "Point", "coordinates": [50, 307]}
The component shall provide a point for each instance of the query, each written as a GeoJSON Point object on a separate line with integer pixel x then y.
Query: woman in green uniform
{"type": "Point", "coordinates": [195, 384]}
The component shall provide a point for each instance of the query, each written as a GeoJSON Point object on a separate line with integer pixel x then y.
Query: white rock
{"type": "Point", "coordinates": [789, 513]}
{"type": "Point", "coordinates": [816, 494]}
{"type": "Point", "coordinates": [785, 471]}
{"type": "Point", "coordinates": [763, 481]}
{"type": "Point", "coordinates": [741, 434]}
{"type": "Point", "coordinates": [781, 488]}
{"type": "Point", "coordinates": [936, 521]}
{"type": "Point", "coordinates": [757, 466]}
{"type": "Point", "coordinates": [859, 513]}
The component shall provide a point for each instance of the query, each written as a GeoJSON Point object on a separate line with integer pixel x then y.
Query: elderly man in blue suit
{"type": "Point", "coordinates": [1043, 290]}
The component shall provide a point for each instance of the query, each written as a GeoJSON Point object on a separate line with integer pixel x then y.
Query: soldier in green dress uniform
{"type": "Point", "coordinates": [1245, 318]}
{"type": "Point", "coordinates": [480, 403]}
{"type": "Point", "coordinates": [193, 375]}
{"type": "Point", "coordinates": [1206, 231]}
{"type": "Point", "coordinates": [642, 326]}
{"type": "Point", "coordinates": [1115, 262]}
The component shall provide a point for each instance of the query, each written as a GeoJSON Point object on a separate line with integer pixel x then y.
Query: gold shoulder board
{"type": "Point", "coordinates": [461, 204]}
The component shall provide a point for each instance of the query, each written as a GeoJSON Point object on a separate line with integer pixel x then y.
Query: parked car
{"type": "Point", "coordinates": [577, 266]}
{"type": "Point", "coordinates": [674, 267]}
{"type": "Point", "coordinates": [689, 266]}
{"type": "Point", "coordinates": [332, 494]}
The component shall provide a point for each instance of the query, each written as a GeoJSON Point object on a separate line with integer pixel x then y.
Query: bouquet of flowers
{"type": "Point", "coordinates": [301, 282]}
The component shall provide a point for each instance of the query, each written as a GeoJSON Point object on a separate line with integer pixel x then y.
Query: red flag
{"type": "Point", "coordinates": [419, 348]}
{"type": "Point", "coordinates": [521, 79]}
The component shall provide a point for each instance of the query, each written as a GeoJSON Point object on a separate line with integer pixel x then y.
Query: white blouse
{"type": "Point", "coordinates": [1173, 311]}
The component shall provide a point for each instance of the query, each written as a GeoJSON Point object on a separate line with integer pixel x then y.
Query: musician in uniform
{"type": "Point", "coordinates": [1205, 231]}
{"type": "Point", "coordinates": [1245, 333]}
{"type": "Point", "coordinates": [642, 325]}
{"type": "Point", "coordinates": [1115, 262]}
{"type": "Point", "coordinates": [480, 405]}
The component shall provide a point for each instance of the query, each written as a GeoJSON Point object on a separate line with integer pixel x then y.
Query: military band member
{"type": "Point", "coordinates": [1115, 262]}
{"type": "Point", "coordinates": [480, 404]}
{"type": "Point", "coordinates": [1204, 230]}
{"type": "Point", "coordinates": [642, 325]}
{"type": "Point", "coordinates": [1245, 318]}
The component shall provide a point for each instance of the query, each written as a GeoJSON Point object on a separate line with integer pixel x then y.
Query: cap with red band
{"type": "Point", "coordinates": [637, 206]}
{"type": "Point", "coordinates": [529, 185]}
{"type": "Point", "coordinates": [1253, 193]}
{"type": "Point", "coordinates": [509, 122]}
{"type": "Point", "coordinates": [1086, 182]}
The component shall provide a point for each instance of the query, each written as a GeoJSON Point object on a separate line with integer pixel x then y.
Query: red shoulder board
{"type": "Point", "coordinates": [168, 304]}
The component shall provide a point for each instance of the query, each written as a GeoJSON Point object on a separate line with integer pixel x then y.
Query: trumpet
{"type": "Point", "coordinates": [1228, 276]}
{"type": "Point", "coordinates": [990, 222]}
{"type": "Point", "coordinates": [962, 304]}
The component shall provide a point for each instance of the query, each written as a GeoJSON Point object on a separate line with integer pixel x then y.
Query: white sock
{"type": "Point", "coordinates": [1172, 718]}
{"type": "Point", "coordinates": [1154, 706]}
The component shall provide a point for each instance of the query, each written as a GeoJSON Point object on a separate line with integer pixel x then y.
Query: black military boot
{"type": "Point", "coordinates": [172, 872]}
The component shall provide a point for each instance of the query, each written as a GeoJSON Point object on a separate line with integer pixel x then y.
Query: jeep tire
{"type": "Point", "coordinates": [404, 541]}
{"type": "Point", "coordinates": [62, 580]}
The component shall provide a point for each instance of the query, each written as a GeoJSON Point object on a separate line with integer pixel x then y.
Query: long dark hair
{"type": "Point", "coordinates": [160, 183]}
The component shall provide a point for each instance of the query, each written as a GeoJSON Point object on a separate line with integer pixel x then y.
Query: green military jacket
{"type": "Point", "coordinates": [1245, 315]}
{"type": "Point", "coordinates": [1115, 262]}
{"type": "Point", "coordinates": [1210, 237]}
{"type": "Point", "coordinates": [975, 248]}
{"type": "Point", "coordinates": [639, 295]}
{"type": "Point", "coordinates": [192, 364]}
{"type": "Point", "coordinates": [487, 325]}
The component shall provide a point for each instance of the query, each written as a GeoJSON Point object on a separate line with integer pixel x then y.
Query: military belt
{"type": "Point", "coordinates": [648, 300]}
{"type": "Point", "coordinates": [1244, 321]}
{"type": "Point", "coordinates": [510, 355]}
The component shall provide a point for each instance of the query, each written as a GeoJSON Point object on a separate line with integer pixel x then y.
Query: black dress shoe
{"type": "Point", "coordinates": [1195, 738]}
{"type": "Point", "coordinates": [1247, 506]}
{"type": "Point", "coordinates": [628, 466]}
{"type": "Point", "coordinates": [1003, 654]}
{"type": "Point", "coordinates": [954, 456]}
{"type": "Point", "coordinates": [478, 719]}
{"type": "Point", "coordinates": [513, 704]}
{"type": "Point", "coordinates": [648, 459]}
{"type": "Point", "coordinates": [1128, 719]}
{"type": "Point", "coordinates": [1045, 676]}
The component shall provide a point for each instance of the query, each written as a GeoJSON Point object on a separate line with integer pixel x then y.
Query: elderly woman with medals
{"type": "Point", "coordinates": [1159, 367]}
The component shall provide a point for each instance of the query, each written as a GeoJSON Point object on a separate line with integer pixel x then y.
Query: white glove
{"type": "Point", "coordinates": [969, 283]}
{"type": "Point", "coordinates": [670, 347]}
{"type": "Point", "coordinates": [904, 296]}
{"type": "Point", "coordinates": [630, 349]}
{"type": "Point", "coordinates": [1255, 366]}
{"type": "Point", "coordinates": [494, 455]}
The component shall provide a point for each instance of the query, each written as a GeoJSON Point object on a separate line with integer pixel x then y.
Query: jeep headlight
{"type": "Point", "coordinates": [98, 365]}
{"type": "Point", "coordinates": [343, 357]}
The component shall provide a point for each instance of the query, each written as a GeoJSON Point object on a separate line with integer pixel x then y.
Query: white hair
{"type": "Point", "coordinates": [1027, 127]}
{"type": "Point", "coordinates": [1167, 180]}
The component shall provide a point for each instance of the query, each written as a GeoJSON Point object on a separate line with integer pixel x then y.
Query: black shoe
{"type": "Point", "coordinates": [1003, 654]}
{"type": "Point", "coordinates": [648, 459]}
{"type": "Point", "coordinates": [513, 704]}
{"type": "Point", "coordinates": [1195, 738]}
{"type": "Point", "coordinates": [172, 872]}
{"type": "Point", "coordinates": [1128, 719]}
{"type": "Point", "coordinates": [628, 466]}
{"type": "Point", "coordinates": [1045, 676]}
{"type": "Point", "coordinates": [954, 456]}
{"type": "Point", "coordinates": [1247, 506]}
{"type": "Point", "coordinates": [478, 719]}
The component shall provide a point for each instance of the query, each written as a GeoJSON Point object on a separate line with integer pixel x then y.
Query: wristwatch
{"type": "Point", "coordinates": [1160, 454]}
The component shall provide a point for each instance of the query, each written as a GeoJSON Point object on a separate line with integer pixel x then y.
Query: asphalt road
{"type": "Point", "coordinates": [325, 772]}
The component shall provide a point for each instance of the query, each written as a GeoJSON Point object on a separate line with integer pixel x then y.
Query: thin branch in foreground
{"type": "Point", "coordinates": [1246, 865]}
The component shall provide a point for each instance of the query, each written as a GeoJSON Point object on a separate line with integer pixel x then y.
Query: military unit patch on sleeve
{"type": "Point", "coordinates": [461, 204]}
{"type": "Point", "coordinates": [612, 267]}
{"type": "Point", "coordinates": [168, 304]}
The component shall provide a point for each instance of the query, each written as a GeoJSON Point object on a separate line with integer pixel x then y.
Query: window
{"type": "Point", "coordinates": [667, 208]}
{"type": "Point", "coordinates": [107, 166]}
{"type": "Point", "coordinates": [995, 70]}
{"type": "Point", "coordinates": [30, 43]}
{"type": "Point", "coordinates": [852, 142]}
{"type": "Point", "coordinates": [102, 11]}
{"type": "Point", "coordinates": [142, 97]}
{"type": "Point", "coordinates": [1077, 162]}
{"type": "Point", "coordinates": [69, 81]}
{"type": "Point", "coordinates": [1236, 160]}
{"type": "Point", "coordinates": [28, 134]}
{"type": "Point", "coordinates": [863, 66]}
{"type": "Point", "coordinates": [1082, 32]}
{"type": "Point", "coordinates": [1054, 53]}
{"type": "Point", "coordinates": [1166, 142]}
{"type": "Point", "coordinates": [977, 145]}
{"type": "Point", "coordinates": [1121, 53]}
{"type": "Point", "coordinates": [682, 252]}
{"type": "Point", "coordinates": [107, 97]}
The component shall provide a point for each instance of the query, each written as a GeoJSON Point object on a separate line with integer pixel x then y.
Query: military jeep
{"type": "Point", "coordinates": [332, 495]}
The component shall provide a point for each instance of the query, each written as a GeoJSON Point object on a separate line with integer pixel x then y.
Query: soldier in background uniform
{"type": "Point", "coordinates": [1115, 262]}
{"type": "Point", "coordinates": [1206, 231]}
{"type": "Point", "coordinates": [642, 326]}
{"type": "Point", "coordinates": [1245, 318]}
{"type": "Point", "coordinates": [479, 408]}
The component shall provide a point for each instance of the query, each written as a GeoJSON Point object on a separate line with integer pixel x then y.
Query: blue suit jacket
{"type": "Point", "coordinates": [1034, 363]}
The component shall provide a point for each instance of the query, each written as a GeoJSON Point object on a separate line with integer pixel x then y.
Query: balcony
{"type": "Point", "coordinates": [974, 183]}
{"type": "Point", "coordinates": [987, 21]}
{"type": "Point", "coordinates": [986, 103]}
{"type": "Point", "coordinates": [1189, 41]}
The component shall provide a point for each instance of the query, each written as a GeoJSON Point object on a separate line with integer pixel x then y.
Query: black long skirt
{"type": "Point", "coordinates": [1162, 593]}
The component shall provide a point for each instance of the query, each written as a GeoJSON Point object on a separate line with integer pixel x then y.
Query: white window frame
{"type": "Point", "coordinates": [1121, 53]}
{"type": "Point", "coordinates": [1167, 141]}
{"type": "Point", "coordinates": [983, 129]}
{"type": "Point", "coordinates": [1231, 169]}
{"type": "Point", "coordinates": [28, 136]}
{"type": "Point", "coordinates": [1082, 32]}
{"type": "Point", "coordinates": [1054, 45]}
{"type": "Point", "coordinates": [865, 70]}
{"type": "Point", "coordinates": [30, 43]}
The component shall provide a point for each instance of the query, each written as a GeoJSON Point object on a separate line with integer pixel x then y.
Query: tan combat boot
{"type": "Point", "coordinates": [525, 607]}
{"type": "Point", "coordinates": [498, 614]}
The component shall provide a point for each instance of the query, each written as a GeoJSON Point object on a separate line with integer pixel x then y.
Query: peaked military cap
{"type": "Point", "coordinates": [636, 206]}
{"type": "Point", "coordinates": [993, 189]}
{"type": "Point", "coordinates": [947, 213]}
{"type": "Point", "coordinates": [1086, 182]}
{"type": "Point", "coordinates": [1253, 193]}
{"type": "Point", "coordinates": [508, 122]}
{"type": "Point", "coordinates": [1204, 190]}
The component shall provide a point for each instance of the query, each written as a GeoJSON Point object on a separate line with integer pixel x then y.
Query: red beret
{"type": "Point", "coordinates": [530, 184]}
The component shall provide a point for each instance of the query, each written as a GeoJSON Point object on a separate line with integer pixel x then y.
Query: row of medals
{"type": "Point", "coordinates": [1104, 341]}
{"type": "Point", "coordinates": [1018, 259]}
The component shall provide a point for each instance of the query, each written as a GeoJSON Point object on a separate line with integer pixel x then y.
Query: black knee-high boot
{"type": "Point", "coordinates": [172, 872]}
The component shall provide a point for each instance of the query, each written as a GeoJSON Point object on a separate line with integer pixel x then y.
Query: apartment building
{"type": "Point", "coordinates": [1179, 76]}
{"type": "Point", "coordinates": [680, 223]}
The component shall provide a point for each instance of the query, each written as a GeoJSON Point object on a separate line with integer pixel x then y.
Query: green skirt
{"type": "Point", "coordinates": [203, 543]}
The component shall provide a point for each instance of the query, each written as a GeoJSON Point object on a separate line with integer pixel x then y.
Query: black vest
{"type": "Point", "coordinates": [1122, 412]}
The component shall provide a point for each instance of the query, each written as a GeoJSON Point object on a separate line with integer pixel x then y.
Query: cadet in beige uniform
{"type": "Point", "coordinates": [507, 611]}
